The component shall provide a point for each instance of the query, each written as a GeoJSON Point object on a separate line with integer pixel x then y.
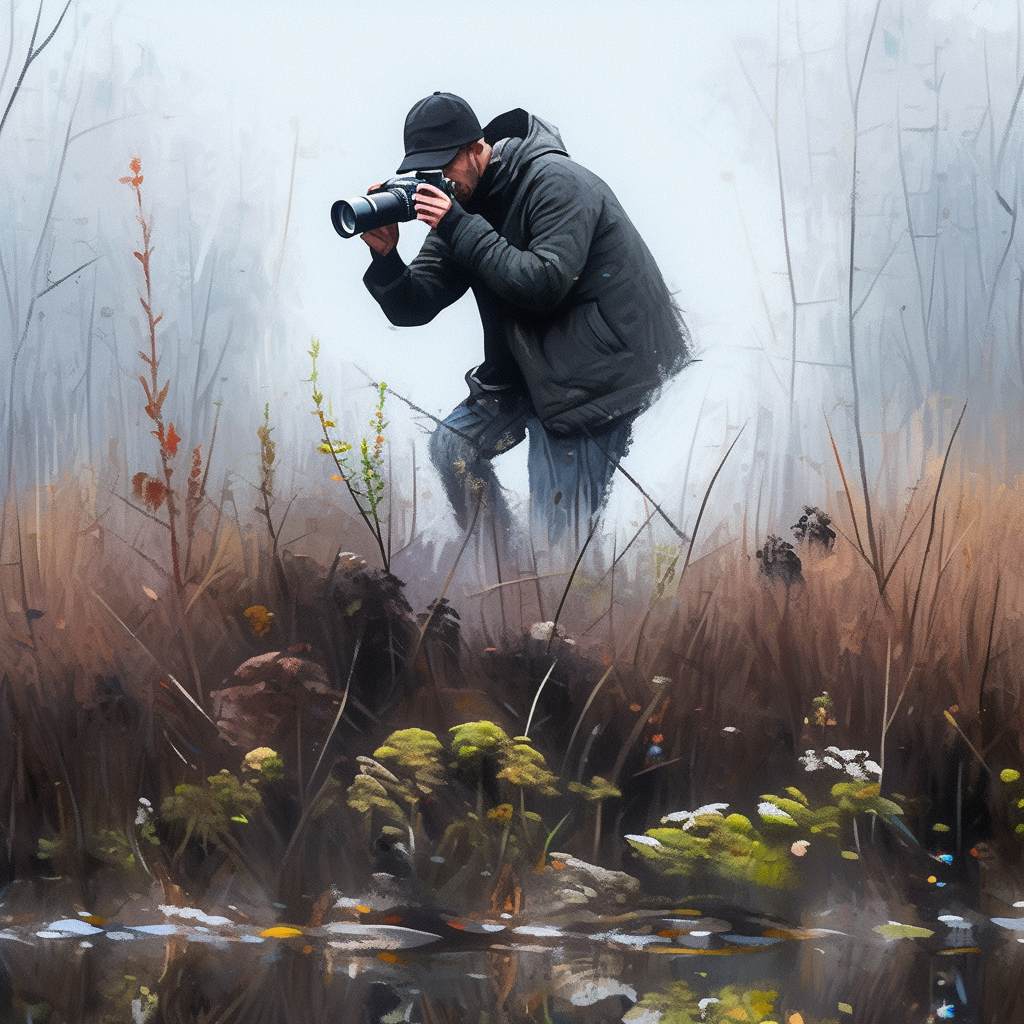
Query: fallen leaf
{"type": "Point", "coordinates": [901, 931]}
{"type": "Point", "coordinates": [151, 594]}
{"type": "Point", "coordinates": [280, 931]}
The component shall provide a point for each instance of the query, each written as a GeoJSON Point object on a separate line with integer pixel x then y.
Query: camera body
{"type": "Point", "coordinates": [389, 203]}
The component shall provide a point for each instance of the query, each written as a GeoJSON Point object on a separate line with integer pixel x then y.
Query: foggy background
{"type": "Point", "coordinates": [708, 119]}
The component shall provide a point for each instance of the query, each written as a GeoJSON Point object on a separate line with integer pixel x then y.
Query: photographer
{"type": "Point", "coordinates": [579, 327]}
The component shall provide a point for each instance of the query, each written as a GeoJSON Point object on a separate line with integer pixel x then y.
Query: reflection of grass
{"type": "Point", "coordinates": [679, 1004]}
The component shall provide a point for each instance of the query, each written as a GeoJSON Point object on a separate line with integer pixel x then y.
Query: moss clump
{"type": "Point", "coordinates": [729, 846]}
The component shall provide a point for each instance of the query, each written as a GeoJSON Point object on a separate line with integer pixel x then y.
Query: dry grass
{"type": "Point", "coordinates": [91, 708]}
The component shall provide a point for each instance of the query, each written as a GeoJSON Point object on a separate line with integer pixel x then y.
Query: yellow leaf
{"type": "Point", "coordinates": [845, 1008]}
{"type": "Point", "coordinates": [902, 931]}
{"type": "Point", "coordinates": [151, 594]}
{"type": "Point", "coordinates": [795, 1018]}
{"type": "Point", "coordinates": [281, 931]}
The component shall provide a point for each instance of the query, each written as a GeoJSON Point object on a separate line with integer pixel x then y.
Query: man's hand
{"type": "Point", "coordinates": [431, 204]}
{"type": "Point", "coordinates": [381, 240]}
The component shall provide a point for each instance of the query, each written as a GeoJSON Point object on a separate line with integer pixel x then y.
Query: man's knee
{"type": "Point", "coordinates": [450, 454]}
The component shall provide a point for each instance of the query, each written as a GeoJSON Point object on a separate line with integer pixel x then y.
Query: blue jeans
{"type": "Point", "coordinates": [569, 476]}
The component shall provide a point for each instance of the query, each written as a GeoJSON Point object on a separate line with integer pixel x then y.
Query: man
{"type": "Point", "coordinates": [579, 327]}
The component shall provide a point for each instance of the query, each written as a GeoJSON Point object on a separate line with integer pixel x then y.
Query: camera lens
{"type": "Point", "coordinates": [343, 217]}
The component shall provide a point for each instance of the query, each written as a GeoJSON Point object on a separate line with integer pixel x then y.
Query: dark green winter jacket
{"type": "Point", "coordinates": [572, 303]}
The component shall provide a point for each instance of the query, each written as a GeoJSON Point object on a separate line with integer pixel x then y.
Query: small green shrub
{"type": "Point", "coordinates": [733, 848]}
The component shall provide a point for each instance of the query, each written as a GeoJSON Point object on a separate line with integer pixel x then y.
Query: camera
{"type": "Point", "coordinates": [389, 203]}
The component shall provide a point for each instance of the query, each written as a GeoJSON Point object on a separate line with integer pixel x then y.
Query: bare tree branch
{"type": "Point", "coordinates": [33, 52]}
{"type": "Point", "coordinates": [53, 284]}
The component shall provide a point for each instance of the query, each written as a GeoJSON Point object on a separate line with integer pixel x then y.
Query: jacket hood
{"type": "Point", "coordinates": [526, 137]}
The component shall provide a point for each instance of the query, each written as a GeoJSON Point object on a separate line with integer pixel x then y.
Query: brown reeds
{"type": "Point", "coordinates": [752, 658]}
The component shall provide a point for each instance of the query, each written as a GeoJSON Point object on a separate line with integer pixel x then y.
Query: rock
{"type": "Point", "coordinates": [569, 886]}
{"type": "Point", "coordinates": [543, 630]}
{"type": "Point", "coordinates": [616, 884]}
{"type": "Point", "coordinates": [265, 697]}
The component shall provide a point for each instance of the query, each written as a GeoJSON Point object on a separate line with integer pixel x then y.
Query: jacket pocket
{"type": "Point", "coordinates": [604, 338]}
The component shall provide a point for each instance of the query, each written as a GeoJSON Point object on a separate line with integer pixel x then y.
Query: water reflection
{"type": "Point", "coordinates": [822, 977]}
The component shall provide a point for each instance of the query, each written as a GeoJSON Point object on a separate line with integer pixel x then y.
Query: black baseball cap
{"type": "Point", "coordinates": [435, 129]}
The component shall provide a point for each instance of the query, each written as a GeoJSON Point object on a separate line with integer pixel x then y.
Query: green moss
{"type": "Point", "coordinates": [475, 740]}
{"type": "Point", "coordinates": [367, 793]}
{"type": "Point", "coordinates": [599, 789]}
{"type": "Point", "coordinates": [731, 847]}
{"type": "Point", "coordinates": [526, 768]}
{"type": "Point", "coordinates": [207, 811]}
{"type": "Point", "coordinates": [414, 755]}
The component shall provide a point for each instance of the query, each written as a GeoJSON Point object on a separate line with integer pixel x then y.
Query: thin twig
{"type": "Point", "coordinates": [846, 488]}
{"type": "Point", "coordinates": [974, 750]}
{"type": "Point", "coordinates": [583, 714]}
{"type": "Point", "coordinates": [181, 689]}
{"type": "Point", "coordinates": [785, 220]}
{"type": "Point", "coordinates": [931, 528]}
{"type": "Point", "coordinates": [988, 647]}
{"type": "Point", "coordinates": [533, 707]}
{"type": "Point", "coordinates": [568, 583]}
{"type": "Point", "coordinates": [657, 508]}
{"type": "Point", "coordinates": [341, 710]}
{"type": "Point", "coordinates": [851, 313]}
{"type": "Point", "coordinates": [511, 583]}
{"type": "Point", "coordinates": [33, 52]}
{"type": "Point", "coordinates": [444, 589]}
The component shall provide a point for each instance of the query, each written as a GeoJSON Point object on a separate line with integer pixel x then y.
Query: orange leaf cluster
{"type": "Point", "coordinates": [135, 179]}
{"type": "Point", "coordinates": [149, 490]}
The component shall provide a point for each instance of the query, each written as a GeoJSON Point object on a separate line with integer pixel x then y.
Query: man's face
{"type": "Point", "coordinates": [466, 170]}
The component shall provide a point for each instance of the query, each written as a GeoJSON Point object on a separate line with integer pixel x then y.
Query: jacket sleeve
{"type": "Point", "coordinates": [413, 295]}
{"type": "Point", "coordinates": [561, 214]}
